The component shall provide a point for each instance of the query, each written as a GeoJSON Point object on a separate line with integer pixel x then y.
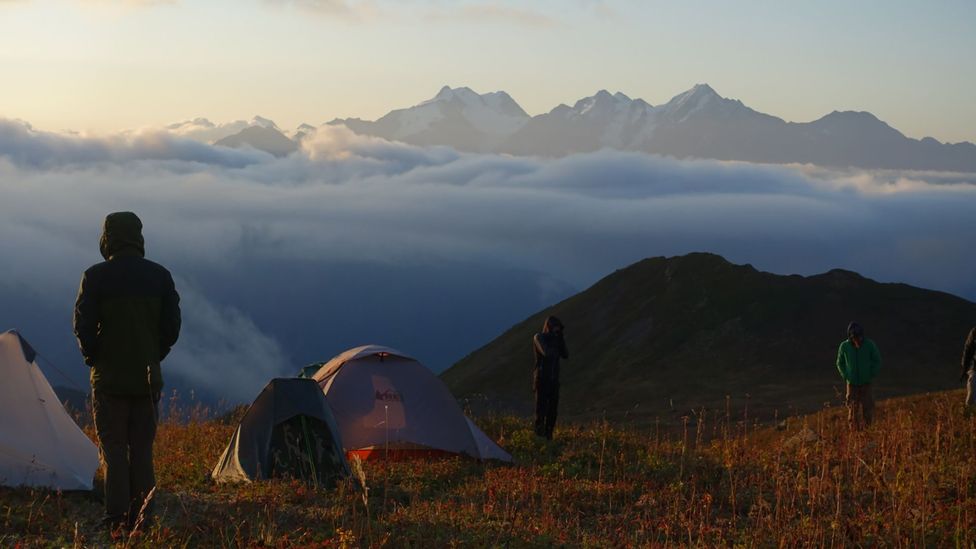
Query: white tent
{"type": "Point", "coordinates": [384, 400]}
{"type": "Point", "coordinates": [40, 445]}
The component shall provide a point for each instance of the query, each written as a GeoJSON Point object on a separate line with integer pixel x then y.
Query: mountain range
{"type": "Point", "coordinates": [698, 123]}
{"type": "Point", "coordinates": [668, 337]}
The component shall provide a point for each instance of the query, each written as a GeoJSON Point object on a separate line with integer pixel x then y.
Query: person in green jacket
{"type": "Point", "coordinates": [126, 319]}
{"type": "Point", "coordinates": [858, 362]}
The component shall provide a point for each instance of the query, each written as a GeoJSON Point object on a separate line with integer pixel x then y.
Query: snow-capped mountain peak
{"type": "Point", "coordinates": [701, 99]}
{"type": "Point", "coordinates": [485, 119]}
{"type": "Point", "coordinates": [301, 132]}
{"type": "Point", "coordinates": [604, 104]}
{"type": "Point", "coordinates": [198, 122]}
{"type": "Point", "coordinates": [697, 96]}
{"type": "Point", "coordinates": [263, 122]}
{"type": "Point", "coordinates": [202, 129]}
{"type": "Point", "coordinates": [464, 95]}
{"type": "Point", "coordinates": [446, 93]}
{"type": "Point", "coordinates": [499, 100]}
{"type": "Point", "coordinates": [502, 102]}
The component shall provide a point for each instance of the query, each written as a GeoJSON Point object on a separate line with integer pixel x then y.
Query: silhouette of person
{"type": "Point", "coordinates": [126, 319]}
{"type": "Point", "coordinates": [549, 346]}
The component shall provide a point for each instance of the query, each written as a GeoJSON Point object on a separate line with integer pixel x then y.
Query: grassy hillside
{"type": "Point", "coordinates": [907, 481]}
{"type": "Point", "coordinates": [668, 335]}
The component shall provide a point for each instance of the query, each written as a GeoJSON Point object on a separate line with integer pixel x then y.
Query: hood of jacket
{"type": "Point", "coordinates": [121, 232]}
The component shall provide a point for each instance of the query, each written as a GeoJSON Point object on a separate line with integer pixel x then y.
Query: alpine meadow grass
{"type": "Point", "coordinates": [715, 479]}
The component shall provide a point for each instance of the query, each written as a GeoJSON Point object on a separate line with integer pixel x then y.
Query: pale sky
{"type": "Point", "coordinates": [107, 65]}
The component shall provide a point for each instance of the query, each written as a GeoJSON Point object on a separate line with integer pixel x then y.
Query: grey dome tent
{"type": "Point", "coordinates": [388, 404]}
{"type": "Point", "coordinates": [287, 432]}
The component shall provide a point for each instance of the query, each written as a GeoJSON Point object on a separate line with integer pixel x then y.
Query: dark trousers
{"type": "Point", "coordinates": [126, 428]}
{"type": "Point", "coordinates": [860, 405]}
{"type": "Point", "coordinates": [546, 404]}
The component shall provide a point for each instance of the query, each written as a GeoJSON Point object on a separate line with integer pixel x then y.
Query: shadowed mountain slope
{"type": "Point", "coordinates": [668, 335]}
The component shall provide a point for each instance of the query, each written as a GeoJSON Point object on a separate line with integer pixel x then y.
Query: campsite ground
{"type": "Point", "coordinates": [909, 480]}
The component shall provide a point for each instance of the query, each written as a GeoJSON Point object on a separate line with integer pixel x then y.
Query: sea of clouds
{"type": "Point", "coordinates": [354, 240]}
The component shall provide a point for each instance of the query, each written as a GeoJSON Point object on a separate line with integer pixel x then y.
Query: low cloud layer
{"type": "Point", "coordinates": [355, 240]}
{"type": "Point", "coordinates": [24, 146]}
{"type": "Point", "coordinates": [222, 341]}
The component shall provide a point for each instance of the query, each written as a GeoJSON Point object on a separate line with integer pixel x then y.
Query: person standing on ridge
{"type": "Point", "coordinates": [969, 370]}
{"type": "Point", "coordinates": [548, 346]}
{"type": "Point", "coordinates": [126, 320]}
{"type": "Point", "coordinates": [858, 362]}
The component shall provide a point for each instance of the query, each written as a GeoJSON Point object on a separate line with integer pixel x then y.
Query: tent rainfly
{"type": "Point", "coordinates": [387, 403]}
{"type": "Point", "coordinates": [287, 432]}
{"type": "Point", "coordinates": [40, 445]}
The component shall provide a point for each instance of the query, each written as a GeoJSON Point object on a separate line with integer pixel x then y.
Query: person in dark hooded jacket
{"type": "Point", "coordinates": [548, 346]}
{"type": "Point", "coordinates": [126, 320]}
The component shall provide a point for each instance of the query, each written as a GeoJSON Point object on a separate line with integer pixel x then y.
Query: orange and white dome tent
{"type": "Point", "coordinates": [388, 403]}
{"type": "Point", "coordinates": [40, 445]}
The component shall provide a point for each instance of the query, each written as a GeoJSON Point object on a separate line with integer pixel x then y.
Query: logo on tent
{"type": "Point", "coordinates": [389, 395]}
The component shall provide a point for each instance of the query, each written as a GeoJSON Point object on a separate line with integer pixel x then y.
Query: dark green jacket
{"type": "Point", "coordinates": [127, 316]}
{"type": "Point", "coordinates": [548, 349]}
{"type": "Point", "coordinates": [858, 366]}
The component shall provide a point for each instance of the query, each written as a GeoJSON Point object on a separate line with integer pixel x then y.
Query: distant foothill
{"type": "Point", "coordinates": [667, 338]}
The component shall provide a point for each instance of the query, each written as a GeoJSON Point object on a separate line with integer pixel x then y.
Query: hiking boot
{"type": "Point", "coordinates": [115, 525]}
